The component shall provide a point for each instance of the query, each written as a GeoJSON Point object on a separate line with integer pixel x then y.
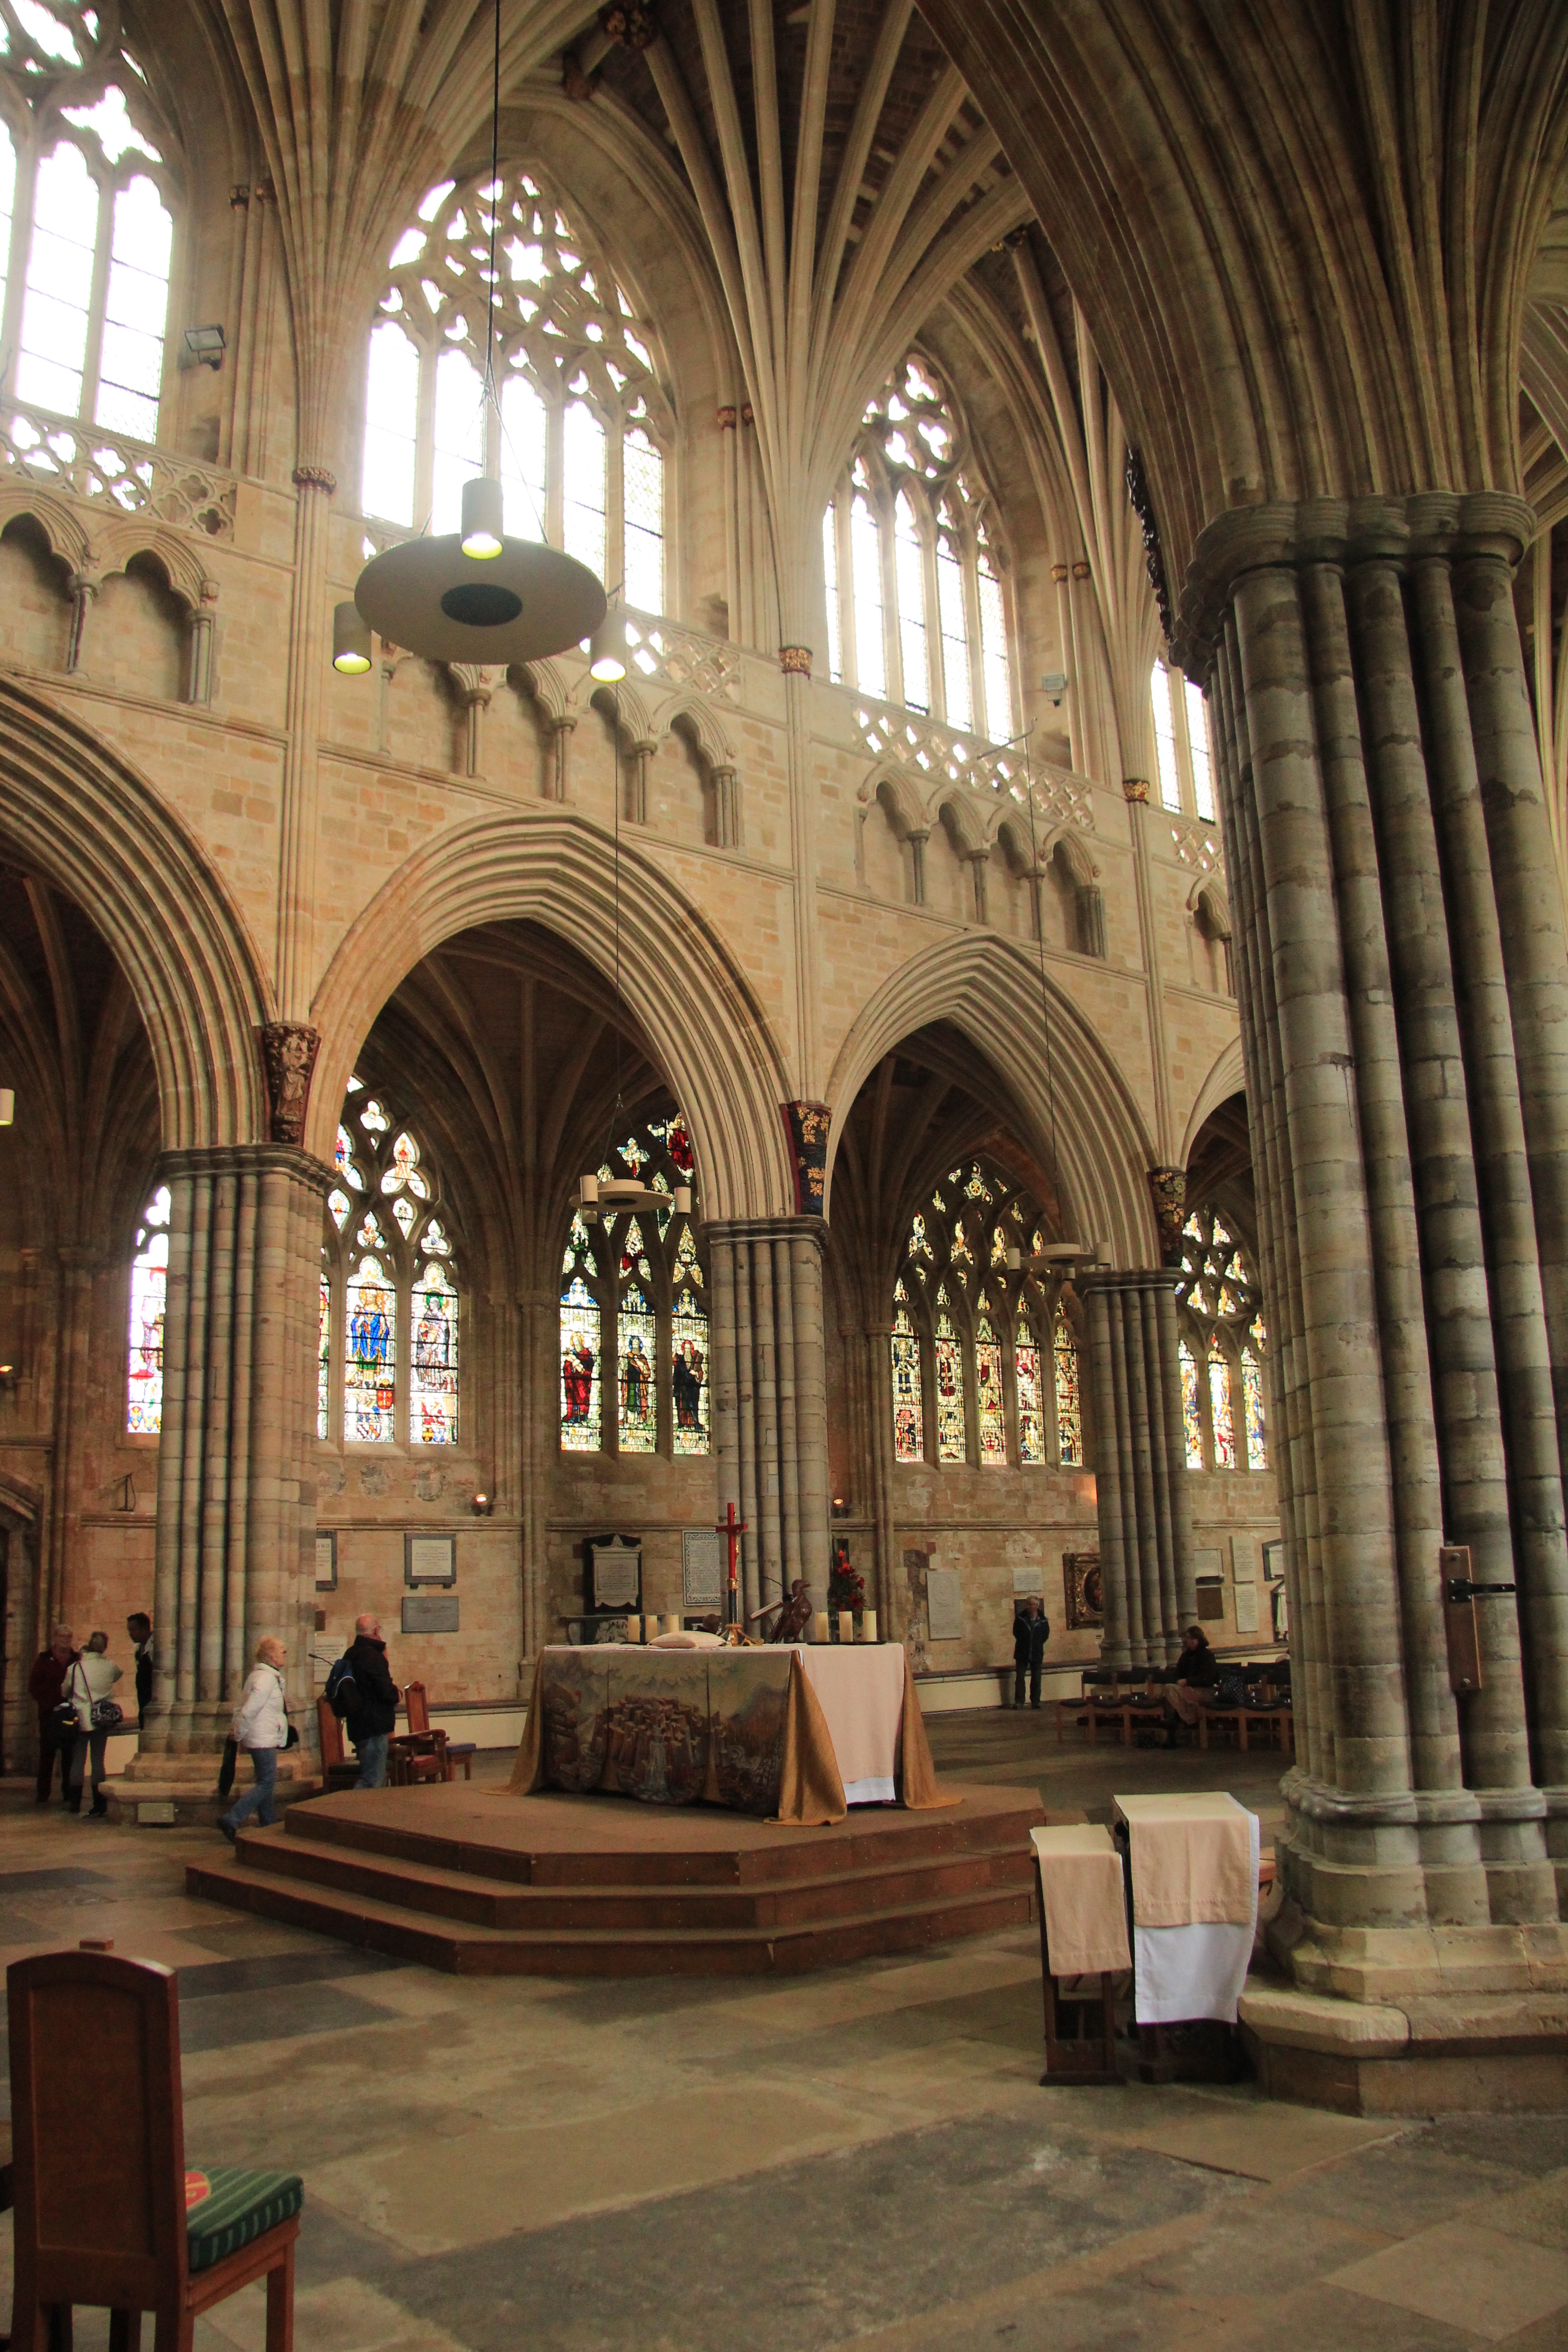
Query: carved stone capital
{"type": "Point", "coordinates": [288, 1054]}
{"type": "Point", "coordinates": [1168, 1191]}
{"type": "Point", "coordinates": [1136, 789]}
{"type": "Point", "coordinates": [795, 660]}
{"type": "Point", "coordinates": [629, 25]}
{"type": "Point", "coordinates": [314, 478]}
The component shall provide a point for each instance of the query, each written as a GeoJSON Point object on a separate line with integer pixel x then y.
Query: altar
{"type": "Point", "coordinates": [797, 1732]}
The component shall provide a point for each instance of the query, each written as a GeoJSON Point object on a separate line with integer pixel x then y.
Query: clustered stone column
{"type": "Point", "coordinates": [1403, 990]}
{"type": "Point", "coordinates": [770, 1399]}
{"type": "Point", "coordinates": [235, 1488]}
{"type": "Point", "coordinates": [1140, 1465]}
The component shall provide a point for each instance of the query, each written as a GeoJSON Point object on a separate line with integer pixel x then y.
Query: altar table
{"type": "Point", "coordinates": [760, 1730]}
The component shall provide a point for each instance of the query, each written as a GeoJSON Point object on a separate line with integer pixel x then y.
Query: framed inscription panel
{"type": "Point", "coordinates": [615, 1574]}
{"type": "Point", "coordinates": [945, 1604]}
{"type": "Point", "coordinates": [429, 1560]}
{"type": "Point", "coordinates": [705, 1564]}
{"type": "Point", "coordinates": [326, 1560]}
{"type": "Point", "coordinates": [430, 1613]}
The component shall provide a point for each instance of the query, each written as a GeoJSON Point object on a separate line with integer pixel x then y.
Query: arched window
{"type": "Point", "coordinates": [579, 444]}
{"type": "Point", "coordinates": [909, 523]}
{"type": "Point", "coordinates": [1165, 736]}
{"type": "Point", "coordinates": [972, 1289]}
{"type": "Point", "coordinates": [87, 188]}
{"type": "Point", "coordinates": [388, 1258]}
{"type": "Point", "coordinates": [1199, 750]}
{"type": "Point", "coordinates": [633, 1321]}
{"type": "Point", "coordinates": [149, 1301]}
{"type": "Point", "coordinates": [1181, 743]}
{"type": "Point", "coordinates": [909, 1408]}
{"type": "Point", "coordinates": [990, 1408]}
{"type": "Point", "coordinates": [1221, 1315]}
{"type": "Point", "coordinates": [1069, 1397]}
{"type": "Point", "coordinates": [950, 1442]}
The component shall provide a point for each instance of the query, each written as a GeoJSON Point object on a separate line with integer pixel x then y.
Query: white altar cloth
{"type": "Point", "coordinates": [860, 1686]}
{"type": "Point", "coordinates": [1200, 1970]}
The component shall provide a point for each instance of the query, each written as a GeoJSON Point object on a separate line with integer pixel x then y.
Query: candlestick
{"type": "Point", "coordinates": [868, 1624]}
{"type": "Point", "coordinates": [845, 1626]}
{"type": "Point", "coordinates": [819, 1626]}
{"type": "Point", "coordinates": [672, 1624]}
{"type": "Point", "coordinates": [634, 1629]}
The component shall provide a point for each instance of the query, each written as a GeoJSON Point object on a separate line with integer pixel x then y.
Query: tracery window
{"type": "Point", "coordinates": [974, 1326]}
{"type": "Point", "coordinates": [579, 445]}
{"type": "Point", "coordinates": [917, 612]}
{"type": "Point", "coordinates": [87, 195]}
{"type": "Point", "coordinates": [1223, 1342]}
{"type": "Point", "coordinates": [1182, 749]}
{"type": "Point", "coordinates": [149, 1300]}
{"type": "Point", "coordinates": [635, 1359]}
{"type": "Point", "coordinates": [389, 1288]}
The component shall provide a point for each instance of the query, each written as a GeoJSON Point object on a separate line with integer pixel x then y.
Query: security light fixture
{"type": "Point", "coordinates": [1055, 683]}
{"type": "Point", "coordinates": [350, 640]}
{"type": "Point", "coordinates": [205, 345]}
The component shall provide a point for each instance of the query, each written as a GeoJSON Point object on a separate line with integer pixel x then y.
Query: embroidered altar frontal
{"type": "Point", "coordinates": [735, 1728]}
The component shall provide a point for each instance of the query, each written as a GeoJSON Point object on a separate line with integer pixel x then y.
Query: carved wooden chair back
{"type": "Point", "coordinates": [418, 1706]}
{"type": "Point", "coordinates": [332, 1735]}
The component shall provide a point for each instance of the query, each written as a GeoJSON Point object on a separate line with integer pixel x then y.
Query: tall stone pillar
{"type": "Point", "coordinates": [1140, 1465]}
{"type": "Point", "coordinates": [770, 1399]}
{"type": "Point", "coordinates": [1403, 995]}
{"type": "Point", "coordinates": [235, 1553]}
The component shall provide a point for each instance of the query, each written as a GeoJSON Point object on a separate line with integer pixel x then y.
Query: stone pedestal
{"type": "Point", "coordinates": [1140, 1465]}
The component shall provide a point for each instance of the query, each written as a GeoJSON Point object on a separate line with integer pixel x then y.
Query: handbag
{"type": "Point", "coordinates": [108, 1714]}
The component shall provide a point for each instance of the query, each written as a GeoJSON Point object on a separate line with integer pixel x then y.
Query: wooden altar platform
{"type": "Point", "coordinates": [484, 1883]}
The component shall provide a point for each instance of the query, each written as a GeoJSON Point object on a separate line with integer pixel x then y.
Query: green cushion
{"type": "Point", "coordinates": [236, 2207]}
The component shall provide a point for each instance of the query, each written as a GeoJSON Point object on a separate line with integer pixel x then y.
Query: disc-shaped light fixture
{"type": "Point", "coordinates": [521, 604]}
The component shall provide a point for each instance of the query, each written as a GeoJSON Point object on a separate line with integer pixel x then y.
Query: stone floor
{"type": "Point", "coordinates": [862, 2157]}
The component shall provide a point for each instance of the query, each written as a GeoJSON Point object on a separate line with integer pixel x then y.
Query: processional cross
{"type": "Point", "coordinates": [735, 1528]}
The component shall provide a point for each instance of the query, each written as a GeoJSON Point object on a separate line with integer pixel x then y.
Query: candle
{"type": "Point", "coordinates": [634, 1629]}
{"type": "Point", "coordinates": [672, 1624]}
{"type": "Point", "coordinates": [868, 1624]}
{"type": "Point", "coordinates": [819, 1626]}
{"type": "Point", "coordinates": [845, 1626]}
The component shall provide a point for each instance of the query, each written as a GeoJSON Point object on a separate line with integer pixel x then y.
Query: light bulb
{"type": "Point", "coordinates": [350, 640]}
{"type": "Point", "coordinates": [482, 526]}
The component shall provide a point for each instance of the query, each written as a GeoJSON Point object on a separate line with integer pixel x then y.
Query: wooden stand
{"type": "Point", "coordinates": [1079, 2057]}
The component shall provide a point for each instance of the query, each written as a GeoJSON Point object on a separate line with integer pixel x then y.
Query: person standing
{"type": "Point", "coordinates": [1031, 1632]}
{"type": "Point", "coordinates": [56, 1737]}
{"type": "Point", "coordinates": [91, 1678]}
{"type": "Point", "coordinates": [373, 1717]}
{"type": "Point", "coordinates": [260, 1726]}
{"type": "Point", "coordinates": [139, 1625]}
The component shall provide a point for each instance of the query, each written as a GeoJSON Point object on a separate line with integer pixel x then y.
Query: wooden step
{"type": "Point", "coordinates": [465, 1949]}
{"type": "Point", "coordinates": [484, 1900]}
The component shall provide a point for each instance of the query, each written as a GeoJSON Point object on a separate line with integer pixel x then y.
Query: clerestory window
{"type": "Point", "coordinates": [914, 575]}
{"type": "Point", "coordinates": [579, 444]}
{"type": "Point", "coordinates": [1181, 751]}
{"type": "Point", "coordinates": [88, 192]}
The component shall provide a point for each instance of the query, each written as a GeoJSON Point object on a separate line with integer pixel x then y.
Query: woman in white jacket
{"type": "Point", "coordinates": [91, 1678]}
{"type": "Point", "coordinates": [260, 1726]}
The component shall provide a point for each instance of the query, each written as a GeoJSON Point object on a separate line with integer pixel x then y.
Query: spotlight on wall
{"type": "Point", "coordinates": [1055, 683]}
{"type": "Point", "coordinates": [350, 640]}
{"type": "Point", "coordinates": [841, 1506]}
{"type": "Point", "coordinates": [7, 1106]}
{"type": "Point", "coordinates": [206, 346]}
{"type": "Point", "coordinates": [482, 1505]}
{"type": "Point", "coordinates": [9, 1376]}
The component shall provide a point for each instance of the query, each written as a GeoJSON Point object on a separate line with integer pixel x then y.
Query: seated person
{"type": "Point", "coordinates": [1196, 1672]}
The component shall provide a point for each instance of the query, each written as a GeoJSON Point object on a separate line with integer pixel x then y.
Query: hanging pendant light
{"type": "Point", "coordinates": [476, 595]}
{"type": "Point", "coordinates": [607, 648]}
{"type": "Point", "coordinates": [350, 641]}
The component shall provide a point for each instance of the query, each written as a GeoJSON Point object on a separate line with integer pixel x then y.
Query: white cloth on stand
{"type": "Point", "coordinates": [1198, 1972]}
{"type": "Point", "coordinates": [861, 1690]}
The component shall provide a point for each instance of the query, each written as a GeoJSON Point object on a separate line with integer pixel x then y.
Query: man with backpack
{"type": "Point", "coordinates": [362, 1693]}
{"type": "Point", "coordinates": [1031, 1632]}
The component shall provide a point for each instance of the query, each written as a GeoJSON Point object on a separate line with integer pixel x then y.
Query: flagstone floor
{"type": "Point", "coordinates": [863, 2156]}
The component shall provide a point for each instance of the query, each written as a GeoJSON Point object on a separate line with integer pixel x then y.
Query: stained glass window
{"type": "Point", "coordinates": [433, 1386]}
{"type": "Point", "coordinates": [579, 1367]}
{"type": "Point", "coordinates": [988, 1400]}
{"type": "Point", "coordinates": [149, 1300]}
{"type": "Point", "coordinates": [1219, 1408]}
{"type": "Point", "coordinates": [688, 1368]}
{"type": "Point", "coordinates": [324, 1357]}
{"type": "Point", "coordinates": [1252, 1407]}
{"type": "Point", "coordinates": [1031, 1411]}
{"type": "Point", "coordinates": [908, 1405]}
{"type": "Point", "coordinates": [1164, 736]}
{"type": "Point", "coordinates": [1070, 1399]}
{"type": "Point", "coordinates": [370, 1393]}
{"type": "Point", "coordinates": [638, 1402]}
{"type": "Point", "coordinates": [1190, 1415]}
{"type": "Point", "coordinates": [952, 1444]}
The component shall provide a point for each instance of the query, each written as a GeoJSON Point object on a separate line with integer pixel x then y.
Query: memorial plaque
{"type": "Point", "coordinates": [945, 1604]}
{"type": "Point", "coordinates": [705, 1568]}
{"type": "Point", "coordinates": [618, 1574]}
{"type": "Point", "coordinates": [1247, 1607]}
{"type": "Point", "coordinates": [429, 1560]}
{"type": "Point", "coordinates": [430, 1613]}
{"type": "Point", "coordinates": [326, 1560]}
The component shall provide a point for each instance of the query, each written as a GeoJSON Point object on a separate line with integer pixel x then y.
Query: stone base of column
{"type": "Point", "coordinates": [150, 1783]}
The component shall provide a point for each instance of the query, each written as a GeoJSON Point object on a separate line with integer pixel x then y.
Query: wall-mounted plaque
{"type": "Point", "coordinates": [429, 1560]}
{"type": "Point", "coordinates": [326, 1560]}
{"type": "Point", "coordinates": [945, 1604]}
{"type": "Point", "coordinates": [615, 1574]}
{"type": "Point", "coordinates": [705, 1569]}
{"type": "Point", "coordinates": [430, 1613]}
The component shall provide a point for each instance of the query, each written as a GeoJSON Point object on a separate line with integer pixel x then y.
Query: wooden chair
{"type": "Point", "coordinates": [339, 1768]}
{"type": "Point", "coordinates": [107, 2214]}
{"type": "Point", "coordinates": [419, 1754]}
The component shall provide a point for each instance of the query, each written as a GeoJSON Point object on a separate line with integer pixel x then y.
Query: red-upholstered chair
{"type": "Point", "coordinates": [111, 2217]}
{"type": "Point", "coordinates": [418, 1754]}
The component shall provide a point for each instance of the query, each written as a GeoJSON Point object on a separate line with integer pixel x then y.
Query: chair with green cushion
{"type": "Point", "coordinates": [111, 2217]}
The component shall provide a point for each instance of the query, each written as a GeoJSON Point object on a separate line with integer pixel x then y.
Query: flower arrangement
{"type": "Point", "coordinates": [846, 1588]}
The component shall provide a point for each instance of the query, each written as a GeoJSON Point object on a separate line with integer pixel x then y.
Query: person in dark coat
{"type": "Point", "coordinates": [373, 1717]}
{"type": "Point", "coordinates": [1196, 1669]}
{"type": "Point", "coordinates": [45, 1688]}
{"type": "Point", "coordinates": [1031, 1632]}
{"type": "Point", "coordinates": [139, 1625]}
